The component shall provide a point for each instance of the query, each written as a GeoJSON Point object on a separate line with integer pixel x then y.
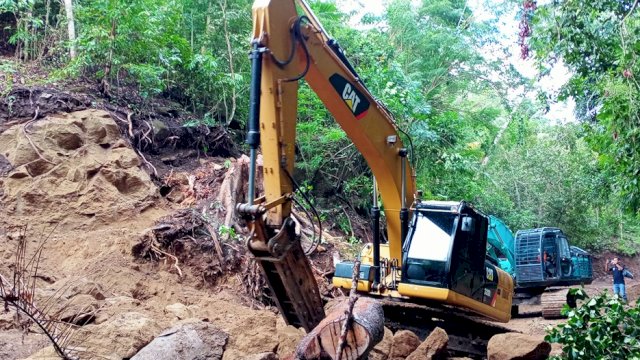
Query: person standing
{"type": "Point", "coordinates": [617, 271]}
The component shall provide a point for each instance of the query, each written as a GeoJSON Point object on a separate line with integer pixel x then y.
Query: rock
{"type": "Point", "coordinates": [178, 310]}
{"type": "Point", "coordinates": [186, 341]}
{"type": "Point", "coordinates": [382, 350]}
{"type": "Point", "coordinates": [434, 346]}
{"type": "Point", "coordinates": [120, 337]}
{"type": "Point", "coordinates": [262, 356]}
{"type": "Point", "coordinates": [79, 310]}
{"type": "Point", "coordinates": [459, 358]}
{"type": "Point", "coordinates": [512, 346]}
{"type": "Point", "coordinates": [404, 342]}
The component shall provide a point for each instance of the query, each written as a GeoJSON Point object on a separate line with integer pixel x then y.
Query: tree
{"type": "Point", "coordinates": [599, 42]}
{"type": "Point", "coordinates": [71, 27]}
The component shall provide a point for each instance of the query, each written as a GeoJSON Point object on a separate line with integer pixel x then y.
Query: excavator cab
{"type": "Point", "coordinates": [444, 258]}
{"type": "Point", "coordinates": [438, 242]}
{"type": "Point", "coordinates": [545, 258]}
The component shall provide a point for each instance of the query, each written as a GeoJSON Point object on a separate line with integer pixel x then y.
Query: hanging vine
{"type": "Point", "coordinates": [528, 9]}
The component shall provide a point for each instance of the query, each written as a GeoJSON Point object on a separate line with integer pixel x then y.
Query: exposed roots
{"type": "Point", "coordinates": [185, 237]}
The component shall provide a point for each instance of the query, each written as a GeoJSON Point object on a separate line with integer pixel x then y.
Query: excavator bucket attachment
{"type": "Point", "coordinates": [290, 277]}
{"type": "Point", "coordinates": [366, 330]}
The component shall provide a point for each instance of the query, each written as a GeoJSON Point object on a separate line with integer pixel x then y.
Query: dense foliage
{"type": "Point", "coordinates": [427, 62]}
{"type": "Point", "coordinates": [599, 42]}
{"type": "Point", "coordinates": [601, 328]}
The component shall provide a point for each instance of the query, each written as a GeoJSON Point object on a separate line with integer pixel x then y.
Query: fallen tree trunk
{"type": "Point", "coordinates": [365, 331]}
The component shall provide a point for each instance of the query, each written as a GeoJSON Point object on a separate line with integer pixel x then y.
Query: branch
{"type": "Point", "coordinates": [349, 312]}
{"type": "Point", "coordinates": [633, 7]}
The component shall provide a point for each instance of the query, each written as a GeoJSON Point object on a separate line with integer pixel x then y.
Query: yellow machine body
{"type": "Point", "coordinates": [288, 44]}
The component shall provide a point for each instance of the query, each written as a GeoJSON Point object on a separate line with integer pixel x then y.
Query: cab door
{"type": "Point", "coordinates": [564, 252]}
{"type": "Point", "coordinates": [468, 275]}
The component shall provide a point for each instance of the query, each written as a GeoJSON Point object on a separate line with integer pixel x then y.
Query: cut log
{"type": "Point", "coordinates": [366, 331]}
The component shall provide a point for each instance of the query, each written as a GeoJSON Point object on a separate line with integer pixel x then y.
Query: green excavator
{"type": "Point", "coordinates": [542, 263]}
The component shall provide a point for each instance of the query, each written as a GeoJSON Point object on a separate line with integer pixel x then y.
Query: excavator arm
{"type": "Point", "coordinates": [502, 244]}
{"type": "Point", "coordinates": [290, 44]}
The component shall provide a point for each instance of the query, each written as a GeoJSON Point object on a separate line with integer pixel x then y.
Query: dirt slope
{"type": "Point", "coordinates": [73, 177]}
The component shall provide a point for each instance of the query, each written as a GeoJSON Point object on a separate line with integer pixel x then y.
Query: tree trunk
{"type": "Point", "coordinates": [71, 26]}
{"type": "Point", "coordinates": [496, 141]}
{"type": "Point", "coordinates": [45, 37]}
{"type": "Point", "coordinates": [208, 28]}
{"type": "Point", "coordinates": [229, 117]}
{"type": "Point", "coordinates": [105, 83]}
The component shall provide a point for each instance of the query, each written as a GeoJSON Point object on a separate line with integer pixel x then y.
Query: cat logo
{"type": "Point", "coordinates": [352, 97]}
{"type": "Point", "coordinates": [489, 274]}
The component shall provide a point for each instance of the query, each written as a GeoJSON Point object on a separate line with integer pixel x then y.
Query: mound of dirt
{"type": "Point", "coordinates": [79, 171]}
{"type": "Point", "coordinates": [72, 164]}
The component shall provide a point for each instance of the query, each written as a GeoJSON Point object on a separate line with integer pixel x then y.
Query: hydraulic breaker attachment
{"type": "Point", "coordinates": [287, 271]}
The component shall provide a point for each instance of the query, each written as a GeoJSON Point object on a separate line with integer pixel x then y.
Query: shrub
{"type": "Point", "coordinates": [603, 327]}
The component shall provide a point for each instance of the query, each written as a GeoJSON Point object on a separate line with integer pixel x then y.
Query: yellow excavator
{"type": "Point", "coordinates": [436, 251]}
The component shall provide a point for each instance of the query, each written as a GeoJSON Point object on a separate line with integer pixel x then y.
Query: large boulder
{"type": "Point", "coordinates": [404, 342]}
{"type": "Point", "coordinates": [382, 350]}
{"type": "Point", "coordinates": [186, 341]}
{"type": "Point", "coordinates": [515, 346]}
{"type": "Point", "coordinates": [433, 348]}
{"type": "Point", "coordinates": [120, 337]}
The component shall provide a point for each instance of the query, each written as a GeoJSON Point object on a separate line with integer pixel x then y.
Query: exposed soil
{"type": "Point", "coordinates": [129, 235]}
{"type": "Point", "coordinates": [157, 128]}
{"type": "Point", "coordinates": [74, 179]}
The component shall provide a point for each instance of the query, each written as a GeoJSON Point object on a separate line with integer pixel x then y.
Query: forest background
{"type": "Point", "coordinates": [479, 128]}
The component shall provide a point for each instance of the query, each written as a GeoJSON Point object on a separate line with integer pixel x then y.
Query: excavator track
{"type": "Point", "coordinates": [468, 334]}
{"type": "Point", "coordinates": [553, 301]}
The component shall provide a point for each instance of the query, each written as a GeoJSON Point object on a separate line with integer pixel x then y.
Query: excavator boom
{"type": "Point", "coordinates": [286, 47]}
{"type": "Point", "coordinates": [295, 46]}
{"type": "Point", "coordinates": [290, 44]}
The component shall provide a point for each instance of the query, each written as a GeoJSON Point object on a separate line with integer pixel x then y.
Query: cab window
{"type": "Point", "coordinates": [432, 237]}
